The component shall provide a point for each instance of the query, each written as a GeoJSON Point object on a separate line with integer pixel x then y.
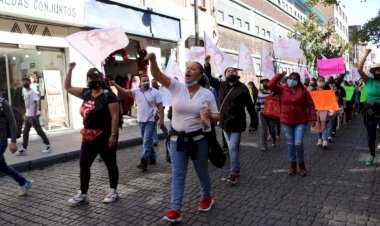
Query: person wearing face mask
{"type": "Point", "coordinates": [187, 139]}
{"type": "Point", "coordinates": [32, 118]}
{"type": "Point", "coordinates": [325, 135]}
{"type": "Point", "coordinates": [297, 108]}
{"type": "Point", "coordinates": [234, 99]}
{"type": "Point", "coordinates": [149, 103]}
{"type": "Point", "coordinates": [371, 105]}
{"type": "Point", "coordinates": [100, 113]}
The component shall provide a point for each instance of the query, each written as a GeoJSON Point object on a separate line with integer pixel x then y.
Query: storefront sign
{"type": "Point", "coordinates": [59, 11]}
{"type": "Point", "coordinates": [25, 65]}
{"type": "Point", "coordinates": [54, 96]}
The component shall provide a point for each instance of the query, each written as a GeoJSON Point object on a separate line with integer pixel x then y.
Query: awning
{"type": "Point", "coordinates": [134, 21]}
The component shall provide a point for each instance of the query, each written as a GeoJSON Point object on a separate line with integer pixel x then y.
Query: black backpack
{"type": "Point", "coordinates": [105, 96]}
{"type": "Point", "coordinates": [18, 117]}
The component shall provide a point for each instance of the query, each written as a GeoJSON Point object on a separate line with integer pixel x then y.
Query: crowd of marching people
{"type": "Point", "coordinates": [199, 104]}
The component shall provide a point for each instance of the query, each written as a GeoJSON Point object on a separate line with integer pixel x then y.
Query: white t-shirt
{"type": "Point", "coordinates": [145, 109]}
{"type": "Point", "coordinates": [186, 111]}
{"type": "Point", "coordinates": [29, 97]}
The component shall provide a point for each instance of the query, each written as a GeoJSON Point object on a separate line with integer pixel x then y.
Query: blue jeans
{"type": "Point", "coordinates": [146, 130]}
{"type": "Point", "coordinates": [233, 142]}
{"type": "Point", "coordinates": [326, 133]}
{"type": "Point", "coordinates": [155, 135]}
{"type": "Point", "coordinates": [180, 160]}
{"type": "Point", "coordinates": [294, 139]}
{"type": "Point", "coordinates": [4, 168]}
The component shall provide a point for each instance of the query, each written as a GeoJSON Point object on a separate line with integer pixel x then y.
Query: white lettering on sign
{"type": "Point", "coordinates": [63, 11]}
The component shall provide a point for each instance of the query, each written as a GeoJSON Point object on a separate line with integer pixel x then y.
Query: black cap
{"type": "Point", "coordinates": [94, 71]}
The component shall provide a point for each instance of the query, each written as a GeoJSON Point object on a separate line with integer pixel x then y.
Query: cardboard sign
{"type": "Point", "coordinates": [331, 66]}
{"type": "Point", "coordinates": [324, 100]}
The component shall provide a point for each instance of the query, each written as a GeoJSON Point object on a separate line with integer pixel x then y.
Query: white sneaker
{"type": "Point", "coordinates": [47, 149]}
{"type": "Point", "coordinates": [21, 151]}
{"type": "Point", "coordinates": [378, 146]}
{"type": "Point", "coordinates": [78, 199]}
{"type": "Point", "coordinates": [319, 143]}
{"type": "Point", "coordinates": [111, 196]}
{"type": "Point", "coordinates": [324, 144]}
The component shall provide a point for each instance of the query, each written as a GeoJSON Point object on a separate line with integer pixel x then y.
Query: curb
{"type": "Point", "coordinates": [68, 156]}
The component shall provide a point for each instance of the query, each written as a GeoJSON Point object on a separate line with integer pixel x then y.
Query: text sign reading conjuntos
{"type": "Point", "coordinates": [59, 11]}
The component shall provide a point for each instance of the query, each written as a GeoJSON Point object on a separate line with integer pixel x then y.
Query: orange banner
{"type": "Point", "coordinates": [324, 100]}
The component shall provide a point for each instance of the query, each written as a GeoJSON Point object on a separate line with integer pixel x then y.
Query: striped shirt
{"type": "Point", "coordinates": [259, 106]}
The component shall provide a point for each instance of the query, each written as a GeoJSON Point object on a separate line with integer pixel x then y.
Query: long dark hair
{"type": "Point", "coordinates": [298, 78]}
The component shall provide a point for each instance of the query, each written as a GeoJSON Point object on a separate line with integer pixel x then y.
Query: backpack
{"type": "Point", "coordinates": [105, 96]}
{"type": "Point", "coordinates": [18, 117]}
{"type": "Point", "coordinates": [272, 107]}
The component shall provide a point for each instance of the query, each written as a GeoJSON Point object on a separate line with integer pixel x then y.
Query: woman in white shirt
{"type": "Point", "coordinates": [186, 137]}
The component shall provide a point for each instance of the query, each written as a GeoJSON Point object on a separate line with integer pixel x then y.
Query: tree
{"type": "Point", "coordinates": [324, 2]}
{"type": "Point", "coordinates": [317, 42]}
{"type": "Point", "coordinates": [370, 32]}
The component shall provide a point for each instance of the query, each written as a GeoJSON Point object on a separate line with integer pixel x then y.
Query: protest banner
{"type": "Point", "coordinates": [97, 44]}
{"type": "Point", "coordinates": [324, 100]}
{"type": "Point", "coordinates": [173, 69]}
{"type": "Point", "coordinates": [331, 66]}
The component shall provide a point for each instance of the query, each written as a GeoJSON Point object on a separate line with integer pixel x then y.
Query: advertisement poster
{"type": "Point", "coordinates": [54, 96]}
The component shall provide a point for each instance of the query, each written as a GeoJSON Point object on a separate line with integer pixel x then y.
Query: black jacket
{"type": "Point", "coordinates": [232, 113]}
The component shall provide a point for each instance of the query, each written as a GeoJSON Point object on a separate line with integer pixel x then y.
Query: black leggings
{"type": "Point", "coordinates": [89, 151]}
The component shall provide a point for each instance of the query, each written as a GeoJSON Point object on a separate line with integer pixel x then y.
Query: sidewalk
{"type": "Point", "coordinates": [66, 146]}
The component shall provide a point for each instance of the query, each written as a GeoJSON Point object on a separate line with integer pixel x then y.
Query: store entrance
{"type": "Point", "coordinates": [44, 67]}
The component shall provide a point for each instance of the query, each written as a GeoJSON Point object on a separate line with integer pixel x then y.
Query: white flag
{"type": "Point", "coordinates": [218, 59]}
{"type": "Point", "coordinates": [245, 59]}
{"type": "Point", "coordinates": [285, 47]}
{"type": "Point", "coordinates": [98, 44]}
{"type": "Point", "coordinates": [267, 68]}
{"type": "Point", "coordinates": [196, 53]}
{"type": "Point", "coordinates": [173, 70]}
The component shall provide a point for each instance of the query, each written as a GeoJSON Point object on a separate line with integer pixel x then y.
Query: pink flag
{"type": "Point", "coordinates": [267, 68]}
{"type": "Point", "coordinates": [285, 47]}
{"type": "Point", "coordinates": [96, 45]}
{"type": "Point", "coordinates": [173, 70]}
{"type": "Point", "coordinates": [331, 66]}
{"type": "Point", "coordinates": [245, 59]}
{"type": "Point", "coordinates": [219, 60]}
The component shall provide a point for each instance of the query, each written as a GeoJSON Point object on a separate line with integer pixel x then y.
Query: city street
{"type": "Point", "coordinates": [339, 190]}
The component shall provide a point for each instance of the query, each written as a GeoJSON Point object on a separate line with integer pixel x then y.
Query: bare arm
{"type": "Point", "coordinates": [161, 111]}
{"type": "Point", "coordinates": [76, 91]}
{"type": "Point", "coordinates": [114, 110]}
{"type": "Point", "coordinates": [121, 90]}
{"type": "Point", "coordinates": [361, 65]}
{"type": "Point", "coordinates": [156, 72]}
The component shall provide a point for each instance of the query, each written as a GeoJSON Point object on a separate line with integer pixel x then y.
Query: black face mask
{"type": "Point", "coordinates": [26, 86]}
{"type": "Point", "coordinates": [232, 78]}
{"type": "Point", "coordinates": [94, 84]}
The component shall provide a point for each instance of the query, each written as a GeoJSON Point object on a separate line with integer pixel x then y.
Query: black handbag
{"type": "Point", "coordinates": [215, 154]}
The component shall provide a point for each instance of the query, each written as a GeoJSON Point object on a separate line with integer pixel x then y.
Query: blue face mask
{"type": "Point", "coordinates": [190, 84]}
{"type": "Point", "coordinates": [292, 83]}
{"type": "Point", "coordinates": [321, 84]}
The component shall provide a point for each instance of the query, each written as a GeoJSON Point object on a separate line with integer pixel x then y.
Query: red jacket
{"type": "Point", "coordinates": [297, 107]}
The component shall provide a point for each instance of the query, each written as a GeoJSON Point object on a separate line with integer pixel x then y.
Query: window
{"type": "Point", "coordinates": [263, 32]}
{"type": "Point", "coordinates": [268, 34]}
{"type": "Point", "coordinates": [220, 15]}
{"type": "Point", "coordinates": [238, 23]}
{"type": "Point", "coordinates": [246, 26]}
{"type": "Point", "coordinates": [257, 29]}
{"type": "Point", "coordinates": [231, 19]}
